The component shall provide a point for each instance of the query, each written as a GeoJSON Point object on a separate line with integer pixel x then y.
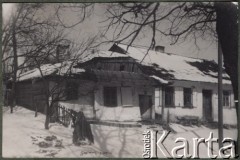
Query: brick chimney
{"type": "Point", "coordinates": [160, 49]}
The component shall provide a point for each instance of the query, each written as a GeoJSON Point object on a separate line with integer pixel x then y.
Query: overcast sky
{"type": "Point", "coordinates": [92, 25]}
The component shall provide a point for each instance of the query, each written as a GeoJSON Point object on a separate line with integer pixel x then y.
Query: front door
{"type": "Point", "coordinates": [145, 104]}
{"type": "Point", "coordinates": [207, 105]}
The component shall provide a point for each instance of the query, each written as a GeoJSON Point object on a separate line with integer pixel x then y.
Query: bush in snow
{"type": "Point", "coordinates": [50, 138]}
{"type": "Point", "coordinates": [44, 144]}
{"type": "Point", "coordinates": [58, 144]}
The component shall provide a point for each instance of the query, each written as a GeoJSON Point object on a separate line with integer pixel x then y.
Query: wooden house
{"type": "Point", "coordinates": [33, 85]}
{"type": "Point", "coordinates": [132, 84]}
{"type": "Point", "coordinates": [108, 86]}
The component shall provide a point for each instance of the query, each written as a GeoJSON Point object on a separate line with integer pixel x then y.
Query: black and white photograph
{"type": "Point", "coordinates": [120, 80]}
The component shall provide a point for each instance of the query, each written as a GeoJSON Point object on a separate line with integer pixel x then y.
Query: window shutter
{"type": "Point", "coordinates": [127, 97]}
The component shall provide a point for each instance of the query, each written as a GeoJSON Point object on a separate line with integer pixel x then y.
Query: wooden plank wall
{"type": "Point", "coordinates": [128, 65]}
{"type": "Point", "coordinates": [31, 95]}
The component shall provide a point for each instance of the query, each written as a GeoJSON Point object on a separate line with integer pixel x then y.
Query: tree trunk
{"type": "Point", "coordinates": [47, 120]}
{"type": "Point", "coordinates": [227, 30]}
{"type": "Point", "coordinates": [36, 110]}
{"type": "Point", "coordinates": [15, 66]}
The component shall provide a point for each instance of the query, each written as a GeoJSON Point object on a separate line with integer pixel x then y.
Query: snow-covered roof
{"type": "Point", "coordinates": [163, 66]}
{"type": "Point", "coordinates": [175, 66]}
{"type": "Point", "coordinates": [49, 69]}
{"type": "Point", "coordinates": [159, 79]}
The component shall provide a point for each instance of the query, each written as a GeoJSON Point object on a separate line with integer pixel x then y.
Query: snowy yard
{"type": "Point", "coordinates": [22, 132]}
{"type": "Point", "coordinates": [24, 136]}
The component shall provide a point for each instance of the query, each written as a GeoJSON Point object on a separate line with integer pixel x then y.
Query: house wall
{"type": "Point", "coordinates": [229, 114]}
{"type": "Point", "coordinates": [121, 113]}
{"type": "Point", "coordinates": [85, 99]}
{"type": "Point", "coordinates": [115, 64]}
{"type": "Point", "coordinates": [91, 101]}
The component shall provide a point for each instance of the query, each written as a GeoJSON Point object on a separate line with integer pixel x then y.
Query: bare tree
{"type": "Point", "coordinates": [12, 39]}
{"type": "Point", "coordinates": [83, 11]}
{"type": "Point", "coordinates": [179, 21]}
{"type": "Point", "coordinates": [40, 40]}
{"type": "Point", "coordinates": [64, 72]}
{"type": "Point", "coordinates": [27, 36]}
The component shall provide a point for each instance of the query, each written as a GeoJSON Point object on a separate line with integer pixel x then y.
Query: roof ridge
{"type": "Point", "coordinates": [139, 46]}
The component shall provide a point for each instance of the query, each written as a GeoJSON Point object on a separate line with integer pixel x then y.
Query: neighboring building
{"type": "Point", "coordinates": [194, 84]}
{"type": "Point", "coordinates": [32, 85]}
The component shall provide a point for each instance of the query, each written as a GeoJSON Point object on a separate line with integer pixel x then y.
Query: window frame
{"type": "Point", "coordinates": [110, 99]}
{"type": "Point", "coordinates": [185, 104]}
{"type": "Point", "coordinates": [172, 95]}
{"type": "Point", "coordinates": [229, 99]}
{"type": "Point", "coordinates": [157, 98]}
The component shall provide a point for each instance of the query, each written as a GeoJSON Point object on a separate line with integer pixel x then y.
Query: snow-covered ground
{"type": "Point", "coordinates": [24, 136]}
{"type": "Point", "coordinates": [22, 132]}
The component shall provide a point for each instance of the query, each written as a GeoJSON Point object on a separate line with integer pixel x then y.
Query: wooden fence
{"type": "Point", "coordinates": [65, 116]}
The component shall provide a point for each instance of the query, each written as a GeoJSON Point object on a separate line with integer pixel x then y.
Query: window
{"type": "Point", "coordinates": [157, 97]}
{"type": "Point", "coordinates": [226, 98]}
{"type": "Point", "coordinates": [187, 97]}
{"type": "Point", "coordinates": [169, 97]}
{"type": "Point", "coordinates": [122, 67]}
{"type": "Point", "coordinates": [110, 96]}
{"type": "Point", "coordinates": [72, 91]}
{"type": "Point", "coordinates": [127, 97]}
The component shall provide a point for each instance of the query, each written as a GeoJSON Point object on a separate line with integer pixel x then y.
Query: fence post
{"type": "Point", "coordinates": [62, 114]}
{"type": "Point", "coordinates": [64, 119]}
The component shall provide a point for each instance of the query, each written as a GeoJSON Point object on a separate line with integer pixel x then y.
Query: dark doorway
{"type": "Point", "coordinates": [207, 105]}
{"type": "Point", "coordinates": [145, 104]}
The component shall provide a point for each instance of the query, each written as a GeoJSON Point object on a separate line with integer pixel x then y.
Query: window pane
{"type": "Point", "coordinates": [157, 101]}
{"type": "Point", "coordinates": [187, 95]}
{"type": "Point", "coordinates": [157, 92]}
{"type": "Point", "coordinates": [110, 96]}
{"type": "Point", "coordinates": [226, 98]}
{"type": "Point", "coordinates": [169, 96]}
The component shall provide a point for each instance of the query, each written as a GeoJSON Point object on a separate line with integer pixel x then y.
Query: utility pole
{"type": "Point", "coordinates": [163, 102]}
{"type": "Point", "coordinates": [220, 97]}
